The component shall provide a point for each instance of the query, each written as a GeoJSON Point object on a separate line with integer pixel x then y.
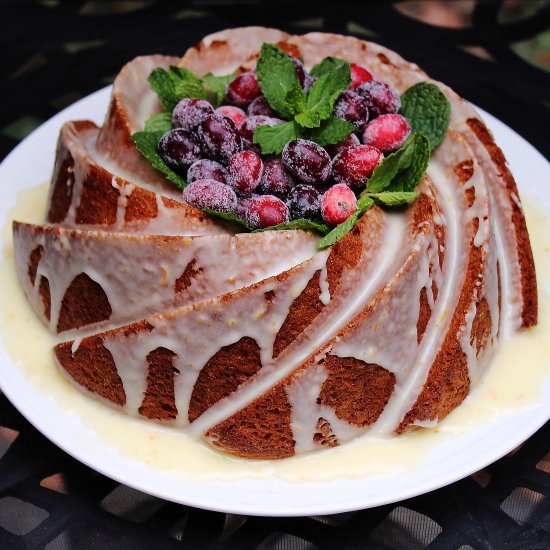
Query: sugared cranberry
{"type": "Point", "coordinates": [179, 148]}
{"type": "Point", "coordinates": [353, 166]}
{"type": "Point", "coordinates": [304, 201]}
{"type": "Point", "coordinates": [338, 204]}
{"type": "Point", "coordinates": [307, 161]}
{"type": "Point", "coordinates": [352, 107]}
{"type": "Point", "coordinates": [206, 169]}
{"type": "Point", "coordinates": [350, 141]}
{"type": "Point", "coordinates": [242, 205]}
{"type": "Point", "coordinates": [387, 132]}
{"type": "Point", "coordinates": [244, 172]}
{"type": "Point", "coordinates": [276, 180]}
{"type": "Point", "coordinates": [243, 89]}
{"type": "Point", "coordinates": [358, 75]}
{"type": "Point", "coordinates": [260, 106]}
{"type": "Point", "coordinates": [381, 97]}
{"type": "Point", "coordinates": [220, 137]}
{"type": "Point", "coordinates": [249, 126]}
{"type": "Point", "coordinates": [236, 114]}
{"type": "Point", "coordinates": [265, 211]}
{"type": "Point", "coordinates": [299, 70]}
{"type": "Point", "coordinates": [309, 81]}
{"type": "Point", "coordinates": [190, 112]}
{"type": "Point", "coordinates": [210, 194]}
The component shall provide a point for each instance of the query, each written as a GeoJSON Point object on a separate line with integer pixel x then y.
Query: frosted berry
{"type": "Point", "coordinates": [244, 172]}
{"type": "Point", "coordinates": [338, 204]}
{"type": "Point", "coordinates": [179, 148]}
{"type": "Point", "coordinates": [308, 83]}
{"type": "Point", "coordinates": [276, 180]}
{"type": "Point", "coordinates": [249, 126]}
{"type": "Point", "coordinates": [307, 161]}
{"type": "Point", "coordinates": [243, 89]}
{"type": "Point", "coordinates": [299, 70]}
{"type": "Point", "coordinates": [260, 106]}
{"type": "Point", "coordinates": [352, 107]}
{"type": "Point", "coordinates": [387, 132]}
{"type": "Point", "coordinates": [220, 137]}
{"type": "Point", "coordinates": [353, 166]}
{"type": "Point", "coordinates": [210, 194]}
{"type": "Point", "coordinates": [381, 97]}
{"type": "Point", "coordinates": [358, 75]}
{"type": "Point", "coordinates": [265, 211]}
{"type": "Point", "coordinates": [206, 169]}
{"type": "Point", "coordinates": [350, 141]}
{"type": "Point", "coordinates": [190, 112]}
{"type": "Point", "coordinates": [242, 205]}
{"type": "Point", "coordinates": [236, 114]}
{"type": "Point", "coordinates": [304, 201]}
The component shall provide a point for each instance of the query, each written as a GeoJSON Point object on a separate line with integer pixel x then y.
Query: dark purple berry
{"type": "Point", "coordinates": [276, 180]}
{"type": "Point", "coordinates": [249, 126]}
{"type": "Point", "coordinates": [308, 83]}
{"type": "Point", "coordinates": [220, 137]}
{"type": "Point", "coordinates": [350, 141]}
{"type": "Point", "coordinates": [243, 89]}
{"type": "Point", "coordinates": [352, 107]}
{"type": "Point", "coordinates": [299, 70]}
{"type": "Point", "coordinates": [179, 148]}
{"type": "Point", "coordinates": [307, 161]}
{"type": "Point", "coordinates": [190, 112]}
{"type": "Point", "coordinates": [260, 106]}
{"type": "Point", "coordinates": [245, 172]}
{"type": "Point", "coordinates": [304, 201]}
{"type": "Point", "coordinates": [210, 194]}
{"type": "Point", "coordinates": [354, 165]}
{"type": "Point", "coordinates": [206, 169]}
{"type": "Point", "coordinates": [242, 205]}
{"type": "Point", "coordinates": [381, 97]}
{"type": "Point", "coordinates": [265, 211]}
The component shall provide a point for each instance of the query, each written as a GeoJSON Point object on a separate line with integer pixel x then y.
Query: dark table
{"type": "Point", "coordinates": [53, 53]}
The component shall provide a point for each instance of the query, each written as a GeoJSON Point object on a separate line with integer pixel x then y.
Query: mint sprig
{"type": "Point", "coordinates": [272, 139]}
{"type": "Point", "coordinates": [300, 223]}
{"type": "Point", "coordinates": [326, 66]}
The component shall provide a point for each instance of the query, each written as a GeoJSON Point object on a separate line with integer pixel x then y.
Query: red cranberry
{"type": "Point", "coordinates": [220, 137]}
{"type": "Point", "coordinates": [237, 115]}
{"type": "Point", "coordinates": [276, 179]}
{"type": "Point", "coordinates": [179, 148]}
{"type": "Point", "coordinates": [190, 112]}
{"type": "Point", "coordinates": [265, 211]}
{"type": "Point", "coordinates": [387, 132]}
{"type": "Point", "coordinates": [245, 172]}
{"type": "Point", "coordinates": [206, 169]}
{"type": "Point", "coordinates": [358, 75]}
{"type": "Point", "coordinates": [350, 141]}
{"type": "Point", "coordinates": [304, 201]}
{"type": "Point", "coordinates": [249, 126]}
{"type": "Point", "coordinates": [260, 106]}
{"type": "Point", "coordinates": [243, 89]}
{"type": "Point", "coordinates": [352, 107]}
{"type": "Point", "coordinates": [307, 161]}
{"type": "Point", "coordinates": [338, 204]}
{"type": "Point", "coordinates": [381, 98]}
{"type": "Point", "coordinates": [242, 205]}
{"type": "Point", "coordinates": [355, 165]}
{"type": "Point", "coordinates": [210, 194]}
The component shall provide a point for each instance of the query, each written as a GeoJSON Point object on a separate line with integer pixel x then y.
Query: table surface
{"type": "Point", "coordinates": [495, 53]}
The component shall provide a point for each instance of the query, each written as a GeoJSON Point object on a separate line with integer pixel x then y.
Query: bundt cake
{"type": "Point", "coordinates": [263, 343]}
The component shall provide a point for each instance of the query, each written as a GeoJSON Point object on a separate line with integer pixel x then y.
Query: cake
{"type": "Point", "coordinates": [259, 343]}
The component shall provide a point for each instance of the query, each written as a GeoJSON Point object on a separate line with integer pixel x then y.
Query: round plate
{"type": "Point", "coordinates": [454, 459]}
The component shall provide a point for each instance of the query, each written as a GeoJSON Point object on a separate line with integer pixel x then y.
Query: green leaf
{"type": "Point", "coordinates": [163, 85]}
{"type": "Point", "coordinates": [332, 130]}
{"type": "Point", "coordinates": [146, 143]}
{"type": "Point", "coordinates": [228, 216]}
{"type": "Point", "coordinates": [428, 111]}
{"type": "Point", "coordinates": [215, 87]}
{"type": "Point", "coordinates": [300, 223]}
{"type": "Point", "coordinates": [186, 84]}
{"type": "Point", "coordinates": [161, 122]}
{"type": "Point", "coordinates": [277, 79]}
{"type": "Point", "coordinates": [394, 198]}
{"type": "Point", "coordinates": [327, 65]}
{"type": "Point", "coordinates": [272, 139]}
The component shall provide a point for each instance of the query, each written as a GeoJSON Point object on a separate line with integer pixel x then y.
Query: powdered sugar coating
{"type": "Point", "coordinates": [179, 148]}
{"type": "Point", "coordinates": [244, 172]}
{"type": "Point", "coordinates": [307, 161]}
{"type": "Point", "coordinates": [220, 137]}
{"type": "Point", "coordinates": [353, 166]}
{"type": "Point", "coordinates": [249, 126]}
{"type": "Point", "coordinates": [266, 210]}
{"type": "Point", "coordinates": [236, 114]}
{"type": "Point", "coordinates": [381, 97]}
{"type": "Point", "coordinates": [243, 89]}
{"type": "Point", "coordinates": [350, 141]}
{"type": "Point", "coordinates": [190, 112]}
{"type": "Point", "coordinates": [276, 179]}
{"type": "Point", "coordinates": [353, 108]}
{"type": "Point", "coordinates": [338, 204]}
{"type": "Point", "coordinates": [209, 193]}
{"type": "Point", "coordinates": [206, 169]}
{"type": "Point", "coordinates": [387, 132]}
{"type": "Point", "coordinates": [304, 201]}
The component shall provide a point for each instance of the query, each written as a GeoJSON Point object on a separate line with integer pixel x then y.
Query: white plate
{"type": "Point", "coordinates": [31, 163]}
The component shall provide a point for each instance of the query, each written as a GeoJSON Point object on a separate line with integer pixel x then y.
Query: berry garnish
{"type": "Point", "coordinates": [220, 137]}
{"type": "Point", "coordinates": [353, 166]}
{"type": "Point", "coordinates": [307, 161]}
{"type": "Point", "coordinates": [265, 211]}
{"type": "Point", "coordinates": [352, 107]}
{"type": "Point", "coordinates": [304, 201]}
{"type": "Point", "coordinates": [245, 172]}
{"type": "Point", "coordinates": [346, 143]}
{"type": "Point", "coordinates": [299, 70]}
{"type": "Point", "coordinates": [276, 180]}
{"type": "Point", "coordinates": [179, 148]}
{"type": "Point", "coordinates": [387, 132]}
{"type": "Point", "coordinates": [206, 169]}
{"type": "Point", "coordinates": [243, 89]}
{"type": "Point", "coordinates": [338, 204]}
{"type": "Point", "coordinates": [308, 83]}
{"type": "Point", "coordinates": [260, 106]}
{"type": "Point", "coordinates": [381, 97]}
{"type": "Point", "coordinates": [190, 112]}
{"type": "Point", "coordinates": [237, 115]}
{"type": "Point", "coordinates": [358, 75]}
{"type": "Point", "coordinates": [242, 205]}
{"type": "Point", "coordinates": [249, 126]}
{"type": "Point", "coordinates": [212, 194]}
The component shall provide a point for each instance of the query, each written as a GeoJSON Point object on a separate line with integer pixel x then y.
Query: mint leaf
{"type": "Point", "coordinates": [215, 87]}
{"type": "Point", "coordinates": [428, 111]}
{"type": "Point", "coordinates": [146, 143]}
{"type": "Point", "coordinates": [300, 223]}
{"type": "Point", "coordinates": [163, 85]}
{"type": "Point", "coordinates": [227, 216]}
{"type": "Point", "coordinates": [186, 84]}
{"type": "Point", "coordinates": [161, 122]}
{"type": "Point", "coordinates": [327, 65]}
{"type": "Point", "coordinates": [394, 198]}
{"type": "Point", "coordinates": [332, 130]}
{"type": "Point", "coordinates": [277, 79]}
{"type": "Point", "coordinates": [272, 139]}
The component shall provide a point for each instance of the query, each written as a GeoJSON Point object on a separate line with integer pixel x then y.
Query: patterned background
{"type": "Point", "coordinates": [496, 53]}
